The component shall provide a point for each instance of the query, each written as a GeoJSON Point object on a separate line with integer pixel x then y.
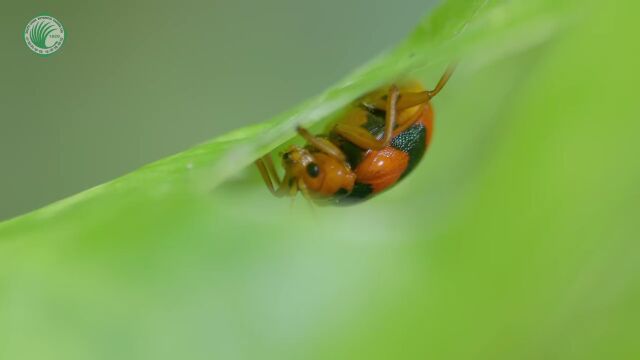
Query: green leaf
{"type": "Point", "coordinates": [515, 238]}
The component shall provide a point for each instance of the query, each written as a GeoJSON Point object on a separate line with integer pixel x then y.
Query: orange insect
{"type": "Point", "coordinates": [379, 141]}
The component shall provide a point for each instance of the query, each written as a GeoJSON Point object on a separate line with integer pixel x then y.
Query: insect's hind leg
{"type": "Point", "coordinates": [408, 100]}
{"type": "Point", "coordinates": [363, 138]}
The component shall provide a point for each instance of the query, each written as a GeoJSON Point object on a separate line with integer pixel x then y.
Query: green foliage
{"type": "Point", "coordinates": [514, 239]}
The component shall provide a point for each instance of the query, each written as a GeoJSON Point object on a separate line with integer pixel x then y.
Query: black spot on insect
{"type": "Point", "coordinates": [371, 109]}
{"type": "Point", "coordinates": [291, 182]}
{"type": "Point", "coordinates": [353, 153]}
{"type": "Point", "coordinates": [341, 192]}
{"type": "Point", "coordinates": [375, 123]}
{"type": "Point", "coordinates": [313, 169]}
{"type": "Point", "coordinates": [412, 141]}
{"type": "Point", "coordinates": [359, 193]}
{"type": "Point", "coordinates": [366, 107]}
{"type": "Point", "coordinates": [361, 190]}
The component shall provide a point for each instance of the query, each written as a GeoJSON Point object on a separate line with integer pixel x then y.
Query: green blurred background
{"type": "Point", "coordinates": [140, 80]}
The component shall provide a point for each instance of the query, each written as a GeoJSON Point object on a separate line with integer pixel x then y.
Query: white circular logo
{"type": "Point", "coordinates": [44, 35]}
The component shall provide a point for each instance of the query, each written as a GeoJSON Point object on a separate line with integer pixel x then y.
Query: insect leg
{"type": "Point", "coordinates": [321, 144]}
{"type": "Point", "coordinates": [265, 175]}
{"type": "Point", "coordinates": [408, 100]}
{"type": "Point", "coordinates": [443, 80]}
{"type": "Point", "coordinates": [269, 175]}
{"type": "Point", "coordinates": [307, 196]}
{"type": "Point", "coordinates": [362, 137]}
{"type": "Point", "coordinates": [358, 136]}
{"type": "Point", "coordinates": [390, 117]}
{"type": "Point", "coordinates": [272, 169]}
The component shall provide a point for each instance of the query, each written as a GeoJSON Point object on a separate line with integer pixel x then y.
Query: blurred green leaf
{"type": "Point", "coordinates": [514, 239]}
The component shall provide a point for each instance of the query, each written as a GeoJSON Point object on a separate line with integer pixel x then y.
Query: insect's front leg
{"type": "Point", "coordinates": [322, 144]}
{"type": "Point", "coordinates": [269, 175]}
